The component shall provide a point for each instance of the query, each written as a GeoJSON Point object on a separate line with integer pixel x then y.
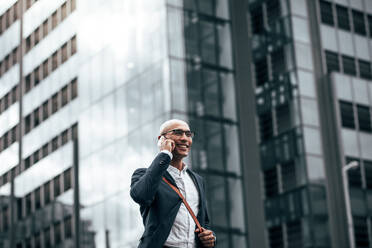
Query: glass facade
{"type": "Point", "coordinates": [84, 87]}
{"type": "Point", "coordinates": [292, 90]}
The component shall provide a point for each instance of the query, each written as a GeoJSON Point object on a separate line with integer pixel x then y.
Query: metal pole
{"type": "Point", "coordinates": [349, 216]}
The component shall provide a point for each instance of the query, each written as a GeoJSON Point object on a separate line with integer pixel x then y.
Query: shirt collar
{"type": "Point", "coordinates": [174, 171]}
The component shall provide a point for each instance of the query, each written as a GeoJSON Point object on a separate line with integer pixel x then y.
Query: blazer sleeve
{"type": "Point", "coordinates": [145, 182]}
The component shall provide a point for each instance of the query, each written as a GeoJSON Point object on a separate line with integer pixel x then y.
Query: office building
{"type": "Point", "coordinates": [84, 87]}
{"type": "Point", "coordinates": [312, 73]}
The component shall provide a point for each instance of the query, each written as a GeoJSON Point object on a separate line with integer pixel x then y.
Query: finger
{"type": "Point", "coordinates": [208, 243]}
{"type": "Point", "coordinates": [205, 233]}
{"type": "Point", "coordinates": [211, 237]}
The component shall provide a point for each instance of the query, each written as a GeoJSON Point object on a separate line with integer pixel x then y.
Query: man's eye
{"type": "Point", "coordinates": [178, 132]}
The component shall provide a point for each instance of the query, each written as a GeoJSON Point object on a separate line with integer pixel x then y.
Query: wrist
{"type": "Point", "coordinates": [167, 152]}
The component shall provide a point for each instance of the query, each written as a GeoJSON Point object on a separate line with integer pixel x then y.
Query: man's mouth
{"type": "Point", "coordinates": [182, 146]}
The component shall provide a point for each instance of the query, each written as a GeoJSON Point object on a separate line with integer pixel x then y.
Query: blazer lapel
{"type": "Point", "coordinates": [169, 178]}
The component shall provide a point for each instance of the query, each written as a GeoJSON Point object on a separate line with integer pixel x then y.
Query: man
{"type": "Point", "coordinates": [167, 221]}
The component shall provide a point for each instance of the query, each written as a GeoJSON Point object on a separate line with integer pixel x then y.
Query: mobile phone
{"type": "Point", "coordinates": [162, 138]}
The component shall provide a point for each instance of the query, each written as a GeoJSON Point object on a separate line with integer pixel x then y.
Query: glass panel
{"type": "Point", "coordinates": [309, 109]}
{"type": "Point", "coordinates": [312, 141]}
{"type": "Point", "coordinates": [300, 29]}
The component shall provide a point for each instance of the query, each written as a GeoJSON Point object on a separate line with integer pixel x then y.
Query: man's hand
{"type": "Point", "coordinates": [166, 144]}
{"type": "Point", "coordinates": [206, 237]}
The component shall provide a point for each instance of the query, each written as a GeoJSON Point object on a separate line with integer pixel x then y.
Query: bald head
{"type": "Point", "coordinates": [168, 125]}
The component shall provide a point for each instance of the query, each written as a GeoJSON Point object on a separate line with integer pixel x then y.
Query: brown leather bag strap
{"type": "Point", "coordinates": [184, 202]}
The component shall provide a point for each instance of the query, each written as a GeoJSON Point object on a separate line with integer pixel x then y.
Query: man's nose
{"type": "Point", "coordinates": [184, 137]}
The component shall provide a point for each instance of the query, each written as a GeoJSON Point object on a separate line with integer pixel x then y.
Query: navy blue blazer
{"type": "Point", "coordinates": [159, 204]}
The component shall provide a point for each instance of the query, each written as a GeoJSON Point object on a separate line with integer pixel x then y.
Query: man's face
{"type": "Point", "coordinates": [182, 142]}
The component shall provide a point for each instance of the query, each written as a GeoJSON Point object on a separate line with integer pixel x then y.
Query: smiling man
{"type": "Point", "coordinates": [167, 221]}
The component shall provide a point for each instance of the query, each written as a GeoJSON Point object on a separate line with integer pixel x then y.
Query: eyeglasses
{"type": "Point", "coordinates": [180, 132]}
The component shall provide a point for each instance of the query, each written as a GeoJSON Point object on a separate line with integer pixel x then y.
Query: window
{"type": "Point", "coordinates": [365, 69]}
{"type": "Point", "coordinates": [54, 19]}
{"type": "Point", "coordinates": [28, 4]}
{"type": "Point", "coordinates": [276, 237]}
{"type": "Point", "coordinates": [368, 173]}
{"type": "Point", "coordinates": [74, 90]}
{"type": "Point", "coordinates": [73, 45]}
{"type": "Point", "coordinates": [5, 141]}
{"type": "Point", "coordinates": [45, 110]}
{"type": "Point", "coordinates": [47, 237]}
{"type": "Point", "coordinates": [349, 65]}
{"type": "Point", "coordinates": [27, 124]}
{"type": "Point", "coordinates": [68, 227]}
{"type": "Point", "coordinates": [54, 61]}
{"type": "Point", "coordinates": [73, 5]}
{"type": "Point", "coordinates": [47, 193]}
{"type": "Point", "coordinates": [37, 243]}
{"type": "Point", "coordinates": [257, 20]}
{"type": "Point", "coordinates": [273, 11]}
{"type": "Point", "coordinates": [359, 24]}
{"type": "Point", "coordinates": [28, 83]}
{"type": "Point", "coordinates": [360, 231]}
{"type": "Point", "coordinates": [38, 198]}
{"type": "Point", "coordinates": [54, 144]}
{"type": "Point", "coordinates": [326, 13]}
{"type": "Point", "coordinates": [6, 61]}
{"type": "Point", "coordinates": [19, 209]}
{"type": "Point", "coordinates": [28, 204]}
{"type": "Point", "coordinates": [14, 94]}
{"type": "Point", "coordinates": [55, 103]}
{"type": "Point", "coordinates": [370, 25]}
{"type": "Point", "coordinates": [343, 18]}
{"type": "Point", "coordinates": [56, 186]}
{"type": "Point", "coordinates": [347, 114]}
{"type": "Point", "coordinates": [45, 150]}
{"type": "Point", "coordinates": [364, 118]}
{"type": "Point", "coordinates": [283, 118]}
{"type": "Point", "coordinates": [67, 180]}
{"type": "Point", "coordinates": [64, 53]}
{"type": "Point", "coordinates": [64, 96]}
{"type": "Point", "coordinates": [13, 135]}
{"type": "Point", "coordinates": [57, 233]}
{"type": "Point", "coordinates": [278, 62]}
{"type": "Point", "coordinates": [28, 43]}
{"type": "Point", "coordinates": [271, 182]}
{"type": "Point", "coordinates": [64, 137]}
{"type": "Point", "coordinates": [36, 115]}
{"type": "Point", "coordinates": [261, 70]}
{"type": "Point", "coordinates": [15, 56]}
{"type": "Point", "coordinates": [266, 126]}
{"type": "Point", "coordinates": [1, 24]}
{"type": "Point", "coordinates": [37, 36]}
{"type": "Point", "coordinates": [288, 171]}
{"type": "Point", "coordinates": [294, 234]}
{"type": "Point", "coordinates": [36, 76]}
{"type": "Point", "coordinates": [45, 68]}
{"type": "Point", "coordinates": [27, 163]}
{"type": "Point", "coordinates": [64, 11]}
{"type": "Point", "coordinates": [45, 28]}
{"type": "Point", "coordinates": [6, 217]}
{"type": "Point", "coordinates": [74, 132]}
{"type": "Point", "coordinates": [36, 157]}
{"type": "Point", "coordinates": [332, 61]}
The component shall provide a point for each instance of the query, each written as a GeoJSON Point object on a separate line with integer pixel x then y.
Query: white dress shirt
{"type": "Point", "coordinates": [182, 233]}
